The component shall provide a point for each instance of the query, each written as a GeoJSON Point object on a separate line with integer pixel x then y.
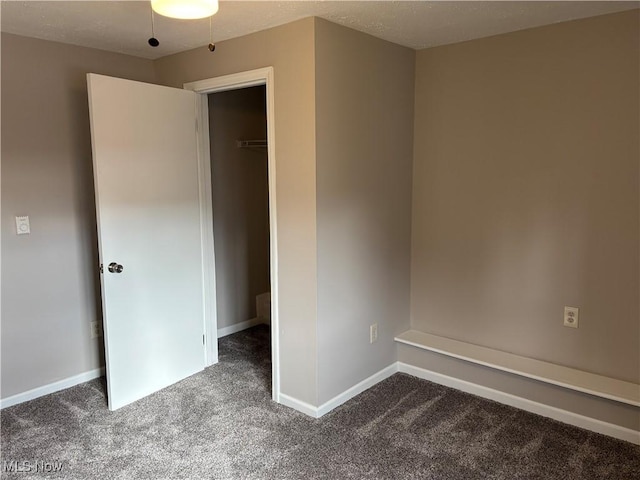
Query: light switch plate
{"type": "Point", "coordinates": [22, 225]}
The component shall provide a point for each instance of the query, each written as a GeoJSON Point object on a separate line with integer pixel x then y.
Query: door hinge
{"type": "Point", "coordinates": [101, 268]}
{"type": "Point", "coordinates": [203, 339]}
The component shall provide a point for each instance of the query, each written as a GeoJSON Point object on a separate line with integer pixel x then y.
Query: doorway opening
{"type": "Point", "coordinates": [262, 78]}
{"type": "Point", "coordinates": [240, 199]}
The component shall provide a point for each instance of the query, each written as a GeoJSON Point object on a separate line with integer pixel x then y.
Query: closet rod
{"type": "Point", "coordinates": [252, 143]}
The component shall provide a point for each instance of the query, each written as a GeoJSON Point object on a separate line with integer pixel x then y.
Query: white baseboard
{"type": "Point", "coordinates": [357, 389]}
{"type": "Point", "coordinates": [317, 412]}
{"type": "Point", "coordinates": [298, 405]}
{"type": "Point", "coordinates": [564, 416]}
{"type": "Point", "coordinates": [238, 327]}
{"type": "Point", "coordinates": [51, 388]}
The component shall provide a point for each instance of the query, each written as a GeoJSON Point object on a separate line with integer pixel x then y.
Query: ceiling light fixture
{"type": "Point", "coordinates": [185, 9]}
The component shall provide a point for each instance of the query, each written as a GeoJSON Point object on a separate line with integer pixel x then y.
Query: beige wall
{"type": "Point", "coordinates": [240, 202]}
{"type": "Point", "coordinates": [525, 198]}
{"type": "Point", "coordinates": [364, 118]}
{"type": "Point", "coordinates": [49, 278]}
{"type": "Point", "coordinates": [290, 50]}
{"type": "Point", "coordinates": [525, 193]}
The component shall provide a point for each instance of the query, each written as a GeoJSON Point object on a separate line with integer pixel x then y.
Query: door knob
{"type": "Point", "coordinates": [115, 268]}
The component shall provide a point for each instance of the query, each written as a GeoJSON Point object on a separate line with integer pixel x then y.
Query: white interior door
{"type": "Point", "coordinates": [147, 202]}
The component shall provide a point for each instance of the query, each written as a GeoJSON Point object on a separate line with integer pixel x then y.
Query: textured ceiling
{"type": "Point", "coordinates": [125, 26]}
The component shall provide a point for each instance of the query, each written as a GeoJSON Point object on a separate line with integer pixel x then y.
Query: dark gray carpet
{"type": "Point", "coordinates": [221, 424]}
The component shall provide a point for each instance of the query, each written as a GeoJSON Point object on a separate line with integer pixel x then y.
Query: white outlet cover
{"type": "Point", "coordinates": [96, 330]}
{"type": "Point", "coordinates": [373, 333]}
{"type": "Point", "coordinates": [571, 315]}
{"type": "Point", "coordinates": [22, 225]}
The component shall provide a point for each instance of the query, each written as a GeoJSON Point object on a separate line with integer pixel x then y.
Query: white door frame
{"type": "Point", "coordinates": [262, 76]}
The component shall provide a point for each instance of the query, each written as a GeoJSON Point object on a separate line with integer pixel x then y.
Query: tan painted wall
{"type": "Point", "coordinates": [290, 50]}
{"type": "Point", "coordinates": [525, 193]}
{"type": "Point", "coordinates": [50, 288]}
{"type": "Point", "coordinates": [364, 118]}
{"type": "Point", "coordinates": [240, 202]}
{"type": "Point", "coordinates": [501, 125]}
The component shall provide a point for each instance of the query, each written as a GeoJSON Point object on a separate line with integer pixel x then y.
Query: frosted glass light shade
{"type": "Point", "coordinates": [185, 9]}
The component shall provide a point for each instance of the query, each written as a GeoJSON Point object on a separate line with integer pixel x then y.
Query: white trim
{"type": "Point", "coordinates": [261, 76]}
{"type": "Point", "coordinates": [357, 389]}
{"type": "Point", "coordinates": [233, 81]}
{"type": "Point", "coordinates": [317, 412]}
{"type": "Point", "coordinates": [273, 233]}
{"type": "Point", "coordinates": [298, 405]}
{"type": "Point", "coordinates": [51, 388]}
{"type": "Point", "coordinates": [566, 377]}
{"type": "Point", "coordinates": [564, 416]}
{"type": "Point", "coordinates": [206, 232]}
{"type": "Point", "coordinates": [238, 327]}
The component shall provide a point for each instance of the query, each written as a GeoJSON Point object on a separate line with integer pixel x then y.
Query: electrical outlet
{"type": "Point", "coordinates": [22, 225]}
{"type": "Point", "coordinates": [571, 317]}
{"type": "Point", "coordinates": [373, 333]}
{"type": "Point", "coordinates": [96, 330]}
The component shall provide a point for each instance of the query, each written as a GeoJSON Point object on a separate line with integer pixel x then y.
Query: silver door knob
{"type": "Point", "coordinates": [115, 268]}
